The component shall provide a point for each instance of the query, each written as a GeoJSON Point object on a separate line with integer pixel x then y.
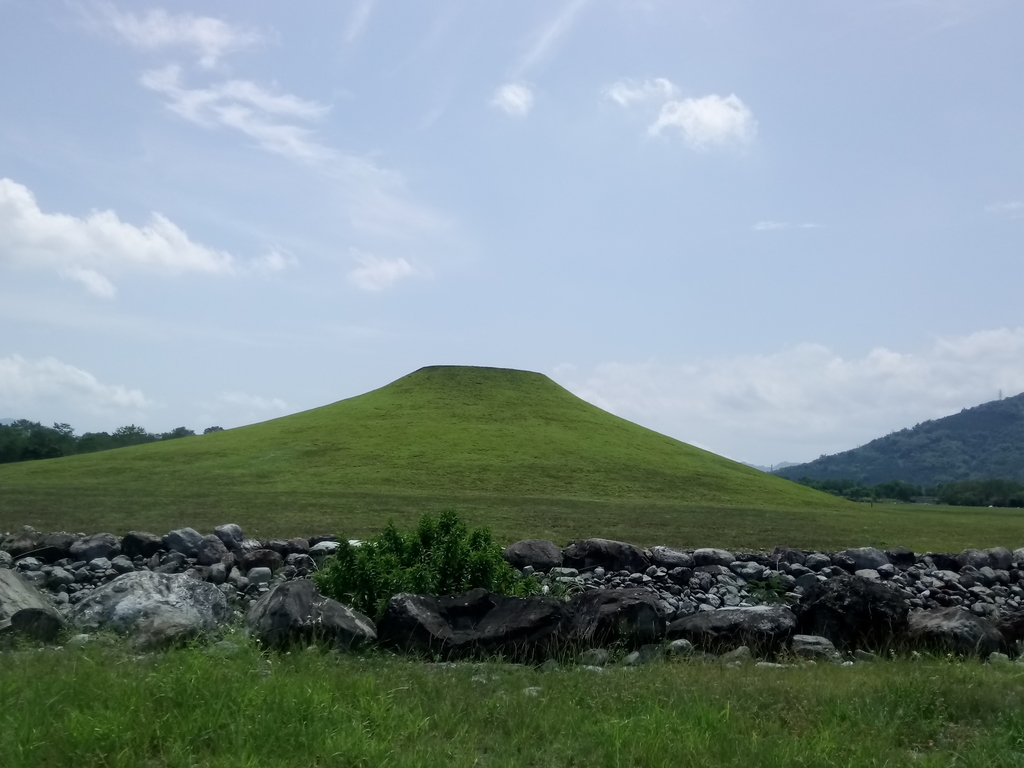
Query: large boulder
{"type": "Point", "coordinates": [606, 553]}
{"type": "Point", "coordinates": [631, 617]}
{"type": "Point", "coordinates": [154, 608]}
{"type": "Point", "coordinates": [668, 558]}
{"type": "Point", "coordinates": [262, 558]}
{"type": "Point", "coordinates": [210, 550]}
{"type": "Point", "coordinates": [866, 558]}
{"type": "Point", "coordinates": [98, 545]}
{"type": "Point", "coordinates": [1012, 626]}
{"type": "Point", "coordinates": [24, 610]}
{"type": "Point", "coordinates": [183, 540]}
{"type": "Point", "coordinates": [478, 622]}
{"type": "Point", "coordinates": [541, 554]}
{"type": "Point", "coordinates": [230, 534]}
{"type": "Point", "coordinates": [761, 627]}
{"type": "Point", "coordinates": [294, 612]}
{"type": "Point", "coordinates": [56, 546]}
{"type": "Point", "coordinates": [711, 556]}
{"type": "Point", "coordinates": [853, 612]}
{"type": "Point", "coordinates": [25, 542]}
{"type": "Point", "coordinates": [141, 544]}
{"type": "Point", "coordinates": [996, 558]}
{"type": "Point", "coordinates": [952, 630]}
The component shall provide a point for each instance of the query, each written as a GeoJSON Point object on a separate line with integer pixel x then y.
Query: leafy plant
{"type": "Point", "coordinates": [439, 557]}
{"type": "Point", "coordinates": [768, 591]}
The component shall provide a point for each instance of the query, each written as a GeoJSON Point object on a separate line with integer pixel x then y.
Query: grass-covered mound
{"type": "Point", "coordinates": [510, 449]}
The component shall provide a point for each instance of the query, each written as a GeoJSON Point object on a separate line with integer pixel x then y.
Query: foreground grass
{"type": "Point", "coordinates": [102, 707]}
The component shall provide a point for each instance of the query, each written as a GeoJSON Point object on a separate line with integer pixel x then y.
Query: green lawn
{"type": "Point", "coordinates": [105, 707]}
{"type": "Point", "coordinates": [509, 449]}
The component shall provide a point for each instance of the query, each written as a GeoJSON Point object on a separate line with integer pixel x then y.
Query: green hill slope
{"type": "Point", "coordinates": [507, 448]}
{"type": "Point", "coordinates": [976, 444]}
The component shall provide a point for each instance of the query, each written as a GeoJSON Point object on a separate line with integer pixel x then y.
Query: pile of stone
{"type": "Point", "coordinates": [595, 594]}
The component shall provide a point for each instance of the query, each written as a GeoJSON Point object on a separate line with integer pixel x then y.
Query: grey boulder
{"type": "Point", "coordinates": [606, 553]}
{"type": "Point", "coordinates": [814, 647]}
{"type": "Point", "coordinates": [210, 550]}
{"type": "Point", "coordinates": [955, 631]}
{"type": "Point", "coordinates": [294, 612]}
{"type": "Point", "coordinates": [230, 534]}
{"type": "Point", "coordinates": [541, 554]}
{"type": "Point", "coordinates": [141, 544]}
{"type": "Point", "coordinates": [668, 558]}
{"type": "Point", "coordinates": [183, 540]}
{"type": "Point", "coordinates": [853, 612]}
{"type": "Point", "coordinates": [712, 556]}
{"type": "Point", "coordinates": [155, 608]}
{"type": "Point", "coordinates": [98, 545]}
{"type": "Point", "coordinates": [763, 627]}
{"type": "Point", "coordinates": [866, 558]}
{"type": "Point", "coordinates": [630, 617]}
{"type": "Point", "coordinates": [24, 610]}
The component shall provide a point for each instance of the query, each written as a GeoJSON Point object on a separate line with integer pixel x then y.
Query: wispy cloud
{"type": "Point", "coordinates": [515, 99]}
{"type": "Point", "coordinates": [358, 20]}
{"type": "Point", "coordinates": [1011, 209]}
{"type": "Point", "coordinates": [375, 273]}
{"type": "Point", "coordinates": [32, 383]}
{"type": "Point", "coordinates": [798, 403]}
{"type": "Point", "coordinates": [211, 39]}
{"type": "Point", "coordinates": [549, 35]}
{"type": "Point", "coordinates": [273, 261]}
{"type": "Point", "coordinates": [707, 121]}
{"type": "Point", "coordinates": [628, 92]}
{"type": "Point", "coordinates": [774, 226]}
{"type": "Point", "coordinates": [85, 248]}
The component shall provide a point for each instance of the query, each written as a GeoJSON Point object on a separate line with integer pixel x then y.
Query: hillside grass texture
{"type": "Point", "coordinates": [508, 449]}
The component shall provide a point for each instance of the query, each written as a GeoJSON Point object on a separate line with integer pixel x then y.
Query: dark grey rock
{"type": "Point", "coordinates": [601, 617]}
{"type": "Point", "coordinates": [814, 647]}
{"type": "Point", "coordinates": [865, 558]}
{"type": "Point", "coordinates": [540, 554]}
{"type": "Point", "coordinates": [262, 558]}
{"type": "Point", "coordinates": [901, 557]}
{"type": "Point", "coordinates": [298, 546]}
{"type": "Point", "coordinates": [210, 550]}
{"type": "Point", "coordinates": [98, 545]}
{"type": "Point", "coordinates": [230, 535]}
{"type": "Point", "coordinates": [853, 612]}
{"type": "Point", "coordinates": [668, 558]}
{"type": "Point", "coordinates": [25, 610]}
{"type": "Point", "coordinates": [295, 613]}
{"type": "Point", "coordinates": [56, 546]}
{"type": "Point", "coordinates": [954, 631]}
{"type": "Point", "coordinates": [25, 542]}
{"type": "Point", "coordinates": [764, 627]}
{"type": "Point", "coordinates": [456, 626]}
{"type": "Point", "coordinates": [711, 556]}
{"type": "Point", "coordinates": [816, 561]}
{"type": "Point", "coordinates": [183, 540]}
{"type": "Point", "coordinates": [606, 553]}
{"type": "Point", "coordinates": [141, 544]}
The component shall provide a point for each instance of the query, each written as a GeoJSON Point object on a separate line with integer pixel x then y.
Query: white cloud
{"type": "Point", "coordinates": [358, 20]}
{"type": "Point", "coordinates": [84, 248]}
{"type": "Point", "coordinates": [375, 273]}
{"type": "Point", "coordinates": [628, 92]}
{"type": "Point", "coordinates": [549, 35]}
{"type": "Point", "coordinates": [210, 38]}
{"type": "Point", "coordinates": [28, 383]}
{"type": "Point", "coordinates": [1013, 209]}
{"type": "Point", "coordinates": [515, 99]}
{"type": "Point", "coordinates": [273, 261]}
{"type": "Point", "coordinates": [707, 121]}
{"type": "Point", "coordinates": [799, 403]}
{"type": "Point", "coordinates": [253, 402]}
{"type": "Point", "coordinates": [245, 107]}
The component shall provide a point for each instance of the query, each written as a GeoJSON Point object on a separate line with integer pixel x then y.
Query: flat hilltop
{"type": "Point", "coordinates": [510, 449]}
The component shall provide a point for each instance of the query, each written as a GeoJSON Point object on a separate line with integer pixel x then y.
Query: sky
{"type": "Point", "coordinates": [772, 230]}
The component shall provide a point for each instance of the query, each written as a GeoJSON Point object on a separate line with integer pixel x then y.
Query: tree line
{"type": "Point", "coordinates": [965, 493]}
{"type": "Point", "coordinates": [25, 440]}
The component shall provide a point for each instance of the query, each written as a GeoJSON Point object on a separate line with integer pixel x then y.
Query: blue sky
{"type": "Point", "coordinates": [773, 230]}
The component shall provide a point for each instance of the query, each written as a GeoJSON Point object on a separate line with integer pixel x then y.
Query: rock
{"type": "Point", "coordinates": [1012, 626]}
{"type": "Point", "coordinates": [323, 548]}
{"type": "Point", "coordinates": [814, 647]}
{"type": "Point", "coordinates": [866, 558]}
{"type": "Point", "coordinates": [951, 630]}
{"type": "Point", "coordinates": [645, 655]}
{"type": "Point", "coordinates": [25, 542]}
{"type": "Point", "coordinates": [901, 557]}
{"type": "Point", "coordinates": [542, 554]}
{"type": "Point", "coordinates": [218, 573]}
{"type": "Point", "coordinates": [6, 561]}
{"type": "Point", "coordinates": [853, 612]}
{"type": "Point", "coordinates": [679, 647]}
{"type": "Point", "coordinates": [141, 544]}
{"type": "Point", "coordinates": [762, 626]}
{"type": "Point", "coordinates": [608, 554]}
{"type": "Point", "coordinates": [711, 556]}
{"type": "Point", "coordinates": [816, 561]}
{"type": "Point", "coordinates": [295, 613]}
{"type": "Point", "coordinates": [300, 562]}
{"type": "Point", "coordinates": [668, 558]}
{"type": "Point", "coordinates": [56, 546]}
{"type": "Point", "coordinates": [122, 564]}
{"type": "Point", "coordinates": [298, 546]}
{"type": "Point", "coordinates": [999, 659]}
{"type": "Point", "coordinates": [787, 555]}
{"type": "Point", "coordinates": [98, 545]}
{"type": "Point", "coordinates": [183, 540]}
{"type": "Point", "coordinates": [868, 573]}
{"type": "Point", "coordinates": [210, 550]}
{"type": "Point", "coordinates": [230, 535]}
{"type": "Point", "coordinates": [865, 656]}
{"type": "Point", "coordinates": [997, 558]}
{"type": "Point", "coordinates": [259, 575]}
{"type": "Point", "coordinates": [594, 657]}
{"type": "Point", "coordinates": [478, 622]}
{"type": "Point", "coordinates": [153, 607]}
{"type": "Point", "coordinates": [737, 656]}
{"type": "Point", "coordinates": [25, 610]}
{"type": "Point", "coordinates": [278, 545]}
{"type": "Point", "coordinates": [261, 558]}
{"type": "Point", "coordinates": [943, 561]}
{"type": "Point", "coordinates": [28, 564]}
{"type": "Point", "coordinates": [749, 571]}
{"type": "Point", "coordinates": [632, 617]}
{"type": "Point", "coordinates": [1018, 557]}
{"type": "Point", "coordinates": [59, 577]}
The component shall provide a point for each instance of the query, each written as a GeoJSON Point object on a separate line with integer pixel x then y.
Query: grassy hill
{"type": "Point", "coordinates": [976, 444]}
{"type": "Point", "coordinates": [507, 448]}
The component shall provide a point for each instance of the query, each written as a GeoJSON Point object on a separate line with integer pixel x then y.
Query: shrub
{"type": "Point", "coordinates": [439, 557]}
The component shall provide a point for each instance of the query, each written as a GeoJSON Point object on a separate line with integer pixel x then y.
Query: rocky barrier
{"type": "Point", "coordinates": [596, 594]}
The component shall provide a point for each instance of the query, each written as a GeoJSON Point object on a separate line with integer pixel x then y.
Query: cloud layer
{"type": "Point", "coordinates": [30, 382]}
{"type": "Point", "coordinates": [798, 403]}
{"type": "Point", "coordinates": [513, 99]}
{"type": "Point", "coordinates": [86, 248]}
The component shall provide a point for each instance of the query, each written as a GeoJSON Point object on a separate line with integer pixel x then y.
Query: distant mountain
{"type": "Point", "coordinates": [978, 443]}
{"type": "Point", "coordinates": [773, 467]}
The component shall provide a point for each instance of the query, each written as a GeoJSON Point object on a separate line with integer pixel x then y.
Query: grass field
{"type": "Point", "coordinates": [509, 449]}
{"type": "Point", "coordinates": [103, 707]}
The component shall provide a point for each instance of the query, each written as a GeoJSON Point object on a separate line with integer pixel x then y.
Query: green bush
{"type": "Point", "coordinates": [439, 557]}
